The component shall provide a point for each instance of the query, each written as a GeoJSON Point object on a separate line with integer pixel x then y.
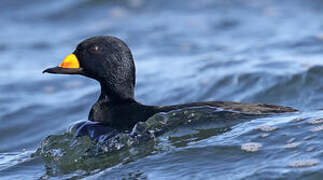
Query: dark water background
{"type": "Point", "coordinates": [267, 51]}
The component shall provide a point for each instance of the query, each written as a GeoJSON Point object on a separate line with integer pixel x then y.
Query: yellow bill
{"type": "Point", "coordinates": [70, 61]}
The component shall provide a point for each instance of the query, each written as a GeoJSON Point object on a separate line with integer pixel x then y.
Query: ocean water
{"type": "Point", "coordinates": [251, 51]}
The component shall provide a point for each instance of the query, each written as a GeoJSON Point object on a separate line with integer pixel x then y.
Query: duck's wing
{"type": "Point", "coordinates": [233, 106]}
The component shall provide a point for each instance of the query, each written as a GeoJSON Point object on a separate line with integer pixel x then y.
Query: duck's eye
{"type": "Point", "coordinates": [94, 49]}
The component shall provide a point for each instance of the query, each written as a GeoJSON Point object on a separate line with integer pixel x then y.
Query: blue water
{"type": "Point", "coordinates": [252, 51]}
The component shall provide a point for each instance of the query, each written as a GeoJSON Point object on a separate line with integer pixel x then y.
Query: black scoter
{"type": "Point", "coordinates": [108, 60]}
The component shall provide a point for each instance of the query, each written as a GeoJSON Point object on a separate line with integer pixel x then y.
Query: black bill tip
{"type": "Point", "coordinates": [59, 70]}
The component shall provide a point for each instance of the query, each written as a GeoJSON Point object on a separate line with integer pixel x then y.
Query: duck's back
{"type": "Point", "coordinates": [234, 106]}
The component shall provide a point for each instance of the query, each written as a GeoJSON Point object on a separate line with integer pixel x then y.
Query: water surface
{"type": "Point", "coordinates": [242, 50]}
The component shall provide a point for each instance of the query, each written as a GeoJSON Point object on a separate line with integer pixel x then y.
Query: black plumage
{"type": "Point", "coordinates": [109, 61]}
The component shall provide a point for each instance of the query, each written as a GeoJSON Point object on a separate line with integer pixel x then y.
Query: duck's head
{"type": "Point", "coordinates": [106, 59]}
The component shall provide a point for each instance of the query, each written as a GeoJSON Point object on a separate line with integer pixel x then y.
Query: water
{"type": "Point", "coordinates": [242, 50]}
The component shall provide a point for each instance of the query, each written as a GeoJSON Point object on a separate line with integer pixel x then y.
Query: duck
{"type": "Point", "coordinates": [109, 61]}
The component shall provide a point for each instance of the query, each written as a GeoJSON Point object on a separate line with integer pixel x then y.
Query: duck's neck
{"type": "Point", "coordinates": [110, 100]}
{"type": "Point", "coordinates": [116, 94]}
{"type": "Point", "coordinates": [119, 110]}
